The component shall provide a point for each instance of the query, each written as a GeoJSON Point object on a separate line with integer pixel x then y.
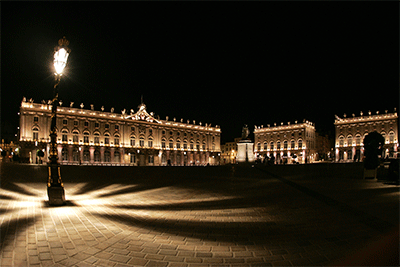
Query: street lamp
{"type": "Point", "coordinates": [55, 186]}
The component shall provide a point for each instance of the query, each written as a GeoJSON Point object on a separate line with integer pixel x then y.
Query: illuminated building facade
{"type": "Point", "coordinates": [93, 137]}
{"type": "Point", "coordinates": [350, 133]}
{"type": "Point", "coordinates": [290, 143]}
{"type": "Point", "coordinates": [229, 152]}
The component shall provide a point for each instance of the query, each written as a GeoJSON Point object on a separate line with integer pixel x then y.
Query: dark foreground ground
{"type": "Point", "coordinates": [307, 215]}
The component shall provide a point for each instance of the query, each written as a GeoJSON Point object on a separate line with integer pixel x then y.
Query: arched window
{"type": "Point", "coordinates": [64, 154]}
{"type": "Point", "coordinates": [150, 142]}
{"type": "Point", "coordinates": [133, 158]}
{"type": "Point", "coordinates": [265, 146]}
{"type": "Point", "coordinates": [86, 155]}
{"type": "Point", "coordinates": [86, 137]}
{"type": "Point", "coordinates": [191, 144]}
{"type": "Point", "coordinates": [178, 143]}
{"type": "Point", "coordinates": [117, 157]}
{"type": "Point", "coordinates": [64, 135]}
{"type": "Point", "coordinates": [96, 155]}
{"type": "Point", "coordinates": [300, 144]}
{"type": "Point", "coordinates": [97, 138]}
{"type": "Point", "coordinates": [198, 145]}
{"type": "Point", "coordinates": [133, 140]}
{"type": "Point", "coordinates": [35, 131]}
{"type": "Point", "coordinates": [106, 138]}
{"type": "Point", "coordinates": [292, 144]}
{"type": "Point", "coordinates": [349, 140]}
{"type": "Point", "coordinates": [75, 155]}
{"type": "Point", "coordinates": [184, 144]}
{"type": "Point", "coordinates": [278, 145]}
{"type": "Point", "coordinates": [75, 137]}
{"type": "Point", "coordinates": [384, 136]}
{"type": "Point", "coordinates": [258, 146]}
{"type": "Point", "coordinates": [358, 140]}
{"type": "Point", "coordinates": [141, 141]}
{"type": "Point", "coordinates": [204, 145]}
{"type": "Point", "coordinates": [341, 141]}
{"type": "Point", "coordinates": [271, 145]}
{"type": "Point", "coordinates": [391, 137]}
{"type": "Point", "coordinates": [116, 139]}
{"type": "Point", "coordinates": [107, 156]}
{"type": "Point", "coordinates": [285, 144]}
{"type": "Point", "coordinates": [171, 143]}
{"type": "Point", "coordinates": [163, 142]}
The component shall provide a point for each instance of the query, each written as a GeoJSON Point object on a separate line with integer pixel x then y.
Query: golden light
{"type": "Point", "coordinates": [60, 60]}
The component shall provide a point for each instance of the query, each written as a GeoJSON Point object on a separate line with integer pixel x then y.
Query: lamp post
{"type": "Point", "coordinates": [55, 186]}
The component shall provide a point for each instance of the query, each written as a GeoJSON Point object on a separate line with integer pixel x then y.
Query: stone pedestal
{"type": "Point", "coordinates": [245, 151]}
{"type": "Point", "coordinates": [56, 195]}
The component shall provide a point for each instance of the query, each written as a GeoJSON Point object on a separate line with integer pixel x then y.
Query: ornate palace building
{"type": "Point", "coordinates": [290, 143]}
{"type": "Point", "coordinates": [106, 138]}
{"type": "Point", "coordinates": [350, 133]}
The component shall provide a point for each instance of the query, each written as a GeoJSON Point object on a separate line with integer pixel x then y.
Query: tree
{"type": "Point", "coordinates": [373, 147]}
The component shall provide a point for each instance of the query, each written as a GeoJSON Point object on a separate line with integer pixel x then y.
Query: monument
{"type": "Point", "coordinates": [245, 147]}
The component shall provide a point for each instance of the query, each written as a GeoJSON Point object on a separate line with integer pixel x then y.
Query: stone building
{"type": "Point", "coordinates": [88, 136]}
{"type": "Point", "coordinates": [229, 152]}
{"type": "Point", "coordinates": [350, 133]}
{"type": "Point", "coordinates": [289, 143]}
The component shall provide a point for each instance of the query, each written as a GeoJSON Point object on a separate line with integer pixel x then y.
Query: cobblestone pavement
{"type": "Point", "coordinates": [235, 221]}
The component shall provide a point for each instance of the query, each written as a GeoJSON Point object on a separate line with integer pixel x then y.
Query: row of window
{"type": "Point", "coordinates": [278, 145]}
{"type": "Point", "coordinates": [357, 141]}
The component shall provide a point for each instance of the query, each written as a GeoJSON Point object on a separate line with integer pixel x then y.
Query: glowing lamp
{"type": "Point", "coordinates": [61, 53]}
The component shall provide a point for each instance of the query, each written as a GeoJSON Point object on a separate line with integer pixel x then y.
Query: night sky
{"type": "Point", "coordinates": [222, 64]}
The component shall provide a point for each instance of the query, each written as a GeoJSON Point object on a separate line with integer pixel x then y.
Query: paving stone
{"type": "Point", "coordinates": [137, 261]}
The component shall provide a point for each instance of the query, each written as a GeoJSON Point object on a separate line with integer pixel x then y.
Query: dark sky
{"type": "Point", "coordinates": [222, 64]}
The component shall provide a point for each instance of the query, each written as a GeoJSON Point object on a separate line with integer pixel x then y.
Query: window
{"type": "Point", "coordinates": [35, 134]}
{"type": "Point", "coordinates": [97, 140]}
{"type": "Point", "coordinates": [258, 146]}
{"type": "Point", "coordinates": [292, 144]}
{"type": "Point", "coordinates": [151, 159]}
{"type": "Point", "coordinates": [64, 136]}
{"type": "Point", "coordinates": [285, 144]}
{"type": "Point", "coordinates": [163, 143]}
{"type": "Point", "coordinates": [171, 144]}
{"type": "Point", "coordinates": [106, 140]}
{"type": "Point", "coordinates": [117, 157]}
{"type": "Point", "coordinates": [184, 144]}
{"type": "Point", "coordinates": [86, 155]}
{"type": "Point", "coordinates": [65, 122]}
{"type": "Point", "coordinates": [75, 138]}
{"type": "Point", "coordinates": [191, 144]}
{"type": "Point", "coordinates": [86, 137]}
{"type": "Point", "coordinates": [35, 119]}
{"type": "Point", "coordinates": [300, 144]}
{"type": "Point", "coordinates": [132, 141]}
{"type": "Point", "coordinates": [86, 124]}
{"type": "Point", "coordinates": [76, 123]}
{"type": "Point", "coordinates": [349, 140]}
{"type": "Point", "coordinates": [75, 155]}
{"type": "Point", "coordinates": [96, 124]}
{"type": "Point", "coordinates": [132, 128]}
{"type": "Point", "coordinates": [107, 126]}
{"type": "Point", "coordinates": [116, 141]}
{"type": "Point", "coordinates": [141, 141]}
{"type": "Point", "coordinates": [107, 156]}
{"type": "Point", "coordinates": [150, 143]}
{"type": "Point", "coordinates": [278, 145]}
{"type": "Point", "coordinates": [97, 155]}
{"type": "Point", "coordinates": [133, 158]}
{"type": "Point", "coordinates": [358, 140]}
{"type": "Point", "coordinates": [341, 141]}
{"type": "Point", "coordinates": [271, 146]}
{"type": "Point", "coordinates": [116, 127]}
{"type": "Point", "coordinates": [150, 131]}
{"type": "Point", "coordinates": [64, 154]}
{"type": "Point", "coordinates": [391, 137]}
